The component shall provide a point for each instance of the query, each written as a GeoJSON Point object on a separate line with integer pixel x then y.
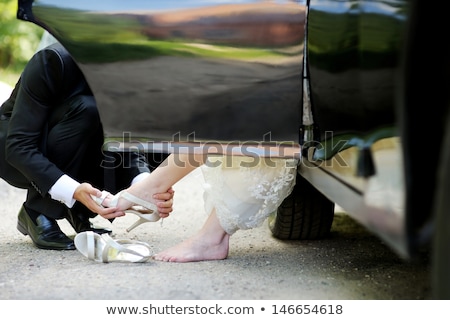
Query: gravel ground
{"type": "Point", "coordinates": [351, 264]}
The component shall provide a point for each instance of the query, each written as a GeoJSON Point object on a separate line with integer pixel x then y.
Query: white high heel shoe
{"type": "Point", "coordinates": [146, 211]}
{"type": "Point", "coordinates": [103, 248]}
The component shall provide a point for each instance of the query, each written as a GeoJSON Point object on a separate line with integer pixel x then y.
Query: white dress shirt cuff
{"type": "Point", "coordinates": [63, 190]}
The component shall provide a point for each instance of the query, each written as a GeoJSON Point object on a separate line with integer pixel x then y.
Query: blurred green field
{"type": "Point", "coordinates": [18, 41]}
{"type": "Point", "coordinates": [9, 76]}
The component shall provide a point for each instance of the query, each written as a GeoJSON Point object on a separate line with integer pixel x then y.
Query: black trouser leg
{"type": "Point", "coordinates": [74, 144]}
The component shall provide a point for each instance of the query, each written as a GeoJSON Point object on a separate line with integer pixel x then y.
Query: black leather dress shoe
{"type": "Point", "coordinates": [45, 234]}
{"type": "Point", "coordinates": [81, 223]}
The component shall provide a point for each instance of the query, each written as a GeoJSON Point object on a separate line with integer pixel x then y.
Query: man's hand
{"type": "Point", "coordinates": [164, 202]}
{"type": "Point", "coordinates": [83, 194]}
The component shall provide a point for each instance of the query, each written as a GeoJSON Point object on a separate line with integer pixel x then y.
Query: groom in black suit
{"type": "Point", "coordinates": [51, 139]}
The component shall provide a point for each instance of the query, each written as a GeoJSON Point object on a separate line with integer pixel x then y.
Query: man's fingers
{"type": "Point", "coordinates": [113, 215]}
{"type": "Point", "coordinates": [109, 213]}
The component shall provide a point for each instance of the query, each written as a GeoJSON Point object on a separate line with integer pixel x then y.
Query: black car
{"type": "Point", "coordinates": [357, 90]}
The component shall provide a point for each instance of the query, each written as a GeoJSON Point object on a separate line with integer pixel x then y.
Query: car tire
{"type": "Point", "coordinates": [441, 245]}
{"type": "Point", "coordinates": [306, 214]}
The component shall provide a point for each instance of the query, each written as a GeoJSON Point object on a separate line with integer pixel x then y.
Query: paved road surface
{"type": "Point", "coordinates": [352, 264]}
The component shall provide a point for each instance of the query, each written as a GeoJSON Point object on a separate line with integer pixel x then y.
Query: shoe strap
{"type": "Point", "coordinates": [128, 196]}
{"type": "Point", "coordinates": [99, 200]}
{"type": "Point", "coordinates": [90, 241]}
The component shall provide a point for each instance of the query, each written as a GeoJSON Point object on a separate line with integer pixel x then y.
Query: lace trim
{"type": "Point", "coordinates": [245, 192]}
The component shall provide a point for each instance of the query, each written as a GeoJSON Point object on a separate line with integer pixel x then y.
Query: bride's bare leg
{"type": "Point", "coordinates": [170, 171]}
{"type": "Point", "coordinates": [210, 243]}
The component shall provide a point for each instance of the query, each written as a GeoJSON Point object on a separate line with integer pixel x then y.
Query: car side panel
{"type": "Point", "coordinates": [168, 70]}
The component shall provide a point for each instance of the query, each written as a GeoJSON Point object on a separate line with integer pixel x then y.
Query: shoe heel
{"type": "Point", "coordinates": [137, 223]}
{"type": "Point", "coordinates": [22, 229]}
{"type": "Point", "coordinates": [147, 217]}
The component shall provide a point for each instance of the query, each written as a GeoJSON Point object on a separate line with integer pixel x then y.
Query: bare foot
{"type": "Point", "coordinates": [197, 248]}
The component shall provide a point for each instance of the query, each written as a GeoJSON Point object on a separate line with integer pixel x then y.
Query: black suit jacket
{"type": "Point", "coordinates": [48, 83]}
{"type": "Point", "coordinates": [50, 77]}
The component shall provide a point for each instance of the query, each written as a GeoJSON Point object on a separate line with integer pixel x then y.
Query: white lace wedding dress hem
{"type": "Point", "coordinates": [245, 190]}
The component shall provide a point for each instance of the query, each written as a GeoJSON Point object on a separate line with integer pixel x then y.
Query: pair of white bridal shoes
{"type": "Point", "coordinates": [103, 248]}
{"type": "Point", "coordinates": [146, 211]}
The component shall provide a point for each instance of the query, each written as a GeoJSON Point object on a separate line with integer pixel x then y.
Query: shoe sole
{"type": "Point", "coordinates": [21, 228]}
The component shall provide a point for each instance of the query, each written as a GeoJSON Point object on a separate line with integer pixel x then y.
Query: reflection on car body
{"type": "Point", "coordinates": [337, 84]}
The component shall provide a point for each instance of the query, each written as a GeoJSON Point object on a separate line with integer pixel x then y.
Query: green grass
{"type": "Point", "coordinates": [9, 76]}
